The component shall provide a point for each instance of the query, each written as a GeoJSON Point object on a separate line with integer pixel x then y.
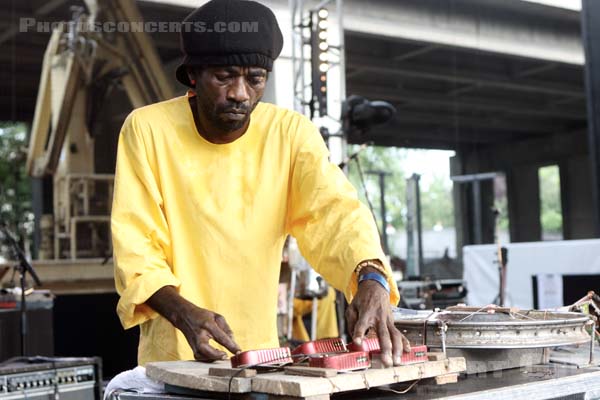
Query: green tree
{"type": "Point", "coordinates": [388, 159]}
{"type": "Point", "coordinates": [436, 198]}
{"type": "Point", "coordinates": [15, 185]}
{"type": "Point", "coordinates": [436, 203]}
{"type": "Point", "coordinates": [550, 206]}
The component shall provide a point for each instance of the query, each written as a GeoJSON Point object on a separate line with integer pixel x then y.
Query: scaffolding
{"type": "Point", "coordinates": [302, 13]}
{"type": "Point", "coordinates": [82, 215]}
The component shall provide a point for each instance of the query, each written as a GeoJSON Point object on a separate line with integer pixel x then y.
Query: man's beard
{"type": "Point", "coordinates": [217, 118]}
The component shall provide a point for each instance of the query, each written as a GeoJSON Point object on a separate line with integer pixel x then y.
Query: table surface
{"type": "Point", "coordinates": [549, 381]}
{"type": "Point", "coordinates": [536, 382]}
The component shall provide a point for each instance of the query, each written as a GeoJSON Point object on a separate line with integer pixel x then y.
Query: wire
{"type": "Point", "coordinates": [362, 182]}
{"type": "Point", "coordinates": [522, 315]}
{"type": "Point", "coordinates": [473, 313]}
{"type": "Point", "coordinates": [403, 391]}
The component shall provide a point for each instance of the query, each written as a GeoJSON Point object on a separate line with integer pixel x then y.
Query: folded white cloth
{"type": "Point", "coordinates": [134, 380]}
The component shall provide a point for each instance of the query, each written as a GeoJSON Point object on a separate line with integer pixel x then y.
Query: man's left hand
{"type": "Point", "coordinates": [371, 309]}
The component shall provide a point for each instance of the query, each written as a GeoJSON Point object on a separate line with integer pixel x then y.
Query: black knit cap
{"type": "Point", "coordinates": [258, 46]}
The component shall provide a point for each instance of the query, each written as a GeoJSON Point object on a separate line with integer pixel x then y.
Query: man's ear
{"type": "Point", "coordinates": [191, 75]}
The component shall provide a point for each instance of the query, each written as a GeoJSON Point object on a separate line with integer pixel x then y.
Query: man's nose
{"type": "Point", "coordinates": [238, 91]}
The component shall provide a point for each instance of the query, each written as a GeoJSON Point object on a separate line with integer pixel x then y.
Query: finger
{"type": "Point", "coordinates": [222, 338]}
{"type": "Point", "coordinates": [351, 318]}
{"type": "Point", "coordinates": [203, 351]}
{"type": "Point", "coordinates": [222, 323]}
{"type": "Point", "coordinates": [405, 344]}
{"type": "Point", "coordinates": [385, 343]}
{"type": "Point", "coordinates": [397, 343]}
{"type": "Point", "coordinates": [360, 328]}
{"type": "Point", "coordinates": [207, 353]}
{"type": "Point", "coordinates": [371, 333]}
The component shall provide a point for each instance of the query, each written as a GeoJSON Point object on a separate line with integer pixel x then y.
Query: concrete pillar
{"type": "Point", "coordinates": [487, 214]}
{"type": "Point", "coordinates": [524, 204]}
{"type": "Point", "coordinates": [576, 198]}
{"type": "Point", "coordinates": [465, 208]}
{"type": "Point", "coordinates": [460, 210]}
{"type": "Point", "coordinates": [590, 34]}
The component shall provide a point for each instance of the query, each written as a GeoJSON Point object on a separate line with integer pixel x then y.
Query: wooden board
{"type": "Point", "coordinates": [445, 379]}
{"type": "Point", "coordinates": [311, 371]}
{"type": "Point", "coordinates": [436, 356]}
{"type": "Point", "coordinates": [237, 372]}
{"type": "Point", "coordinates": [195, 375]}
{"type": "Point", "coordinates": [301, 386]}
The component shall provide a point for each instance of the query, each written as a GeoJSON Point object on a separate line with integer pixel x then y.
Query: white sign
{"type": "Point", "coordinates": [550, 291]}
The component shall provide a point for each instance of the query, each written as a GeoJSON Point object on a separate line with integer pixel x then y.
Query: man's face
{"type": "Point", "coordinates": [226, 95]}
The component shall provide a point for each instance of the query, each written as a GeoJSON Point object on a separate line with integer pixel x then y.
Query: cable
{"type": "Point", "coordinates": [403, 391]}
{"type": "Point", "coordinates": [362, 182]}
{"type": "Point", "coordinates": [521, 315]}
{"type": "Point", "coordinates": [474, 312]}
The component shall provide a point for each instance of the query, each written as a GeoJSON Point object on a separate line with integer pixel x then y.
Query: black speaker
{"type": "Point", "coordinates": [88, 325]}
{"type": "Point", "coordinates": [574, 287]}
{"type": "Point", "coordinates": [577, 286]}
{"type": "Point", "coordinates": [40, 338]}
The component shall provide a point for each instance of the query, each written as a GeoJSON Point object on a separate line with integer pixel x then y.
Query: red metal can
{"type": "Point", "coordinates": [342, 361]}
{"type": "Point", "coordinates": [331, 345]}
{"type": "Point", "coordinates": [370, 345]}
{"type": "Point", "coordinates": [273, 357]}
{"type": "Point", "coordinates": [417, 354]}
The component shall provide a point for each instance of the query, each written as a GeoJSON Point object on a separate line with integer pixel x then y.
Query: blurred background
{"type": "Point", "coordinates": [467, 126]}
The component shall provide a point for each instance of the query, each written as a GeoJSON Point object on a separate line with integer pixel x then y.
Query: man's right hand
{"type": "Point", "coordinates": [198, 325]}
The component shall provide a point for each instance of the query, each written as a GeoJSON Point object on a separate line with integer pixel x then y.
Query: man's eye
{"type": "Point", "coordinates": [257, 80]}
{"type": "Point", "coordinates": [222, 77]}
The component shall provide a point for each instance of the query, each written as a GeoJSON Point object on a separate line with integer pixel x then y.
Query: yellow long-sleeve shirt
{"type": "Point", "coordinates": [211, 219]}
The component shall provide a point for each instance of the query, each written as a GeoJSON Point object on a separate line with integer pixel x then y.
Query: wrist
{"type": "Point", "coordinates": [180, 314]}
{"type": "Point", "coordinates": [369, 270]}
{"type": "Point", "coordinates": [170, 305]}
{"type": "Point", "coordinates": [379, 278]}
{"type": "Point", "coordinates": [367, 266]}
{"type": "Point", "coordinates": [372, 270]}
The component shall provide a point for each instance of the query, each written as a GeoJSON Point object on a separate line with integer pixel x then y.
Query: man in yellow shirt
{"type": "Point", "coordinates": [207, 187]}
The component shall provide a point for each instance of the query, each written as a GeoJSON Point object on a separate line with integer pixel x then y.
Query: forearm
{"type": "Point", "coordinates": [170, 304]}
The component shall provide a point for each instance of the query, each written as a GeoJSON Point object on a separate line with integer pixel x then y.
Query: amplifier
{"type": "Point", "coordinates": [46, 378]}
